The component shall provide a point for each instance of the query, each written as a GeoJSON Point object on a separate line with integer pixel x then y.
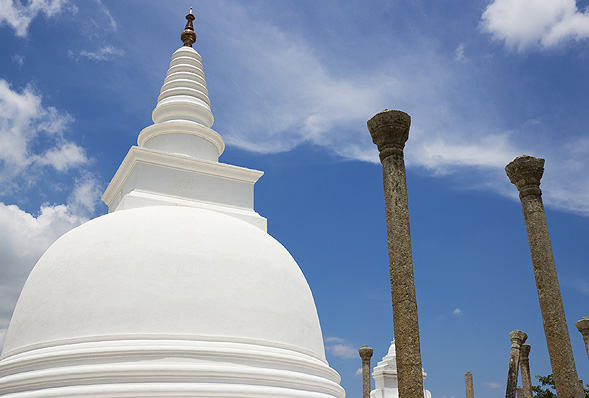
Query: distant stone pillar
{"type": "Point", "coordinates": [365, 353]}
{"type": "Point", "coordinates": [517, 338]}
{"type": "Point", "coordinates": [390, 130]}
{"type": "Point", "coordinates": [469, 385]}
{"type": "Point", "coordinates": [524, 364]}
{"type": "Point", "coordinates": [583, 326]}
{"type": "Point", "coordinates": [525, 172]}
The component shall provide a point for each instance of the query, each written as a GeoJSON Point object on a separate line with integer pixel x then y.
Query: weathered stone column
{"type": "Point", "coordinates": [524, 364]}
{"type": "Point", "coordinates": [525, 172]}
{"type": "Point", "coordinates": [390, 131]}
{"type": "Point", "coordinates": [517, 338]}
{"type": "Point", "coordinates": [365, 353]}
{"type": "Point", "coordinates": [583, 326]}
{"type": "Point", "coordinates": [469, 385]}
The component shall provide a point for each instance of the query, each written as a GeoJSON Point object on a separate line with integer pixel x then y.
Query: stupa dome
{"type": "Point", "coordinates": [166, 270]}
{"type": "Point", "coordinates": [166, 301]}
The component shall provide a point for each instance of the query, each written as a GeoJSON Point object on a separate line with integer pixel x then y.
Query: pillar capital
{"type": "Point", "coordinates": [365, 353]}
{"type": "Point", "coordinates": [524, 351]}
{"type": "Point", "coordinates": [389, 130]}
{"type": "Point", "coordinates": [517, 337]}
{"type": "Point", "coordinates": [583, 326]}
{"type": "Point", "coordinates": [525, 173]}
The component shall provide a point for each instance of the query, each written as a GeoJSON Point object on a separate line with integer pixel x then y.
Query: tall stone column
{"type": "Point", "coordinates": [469, 385]}
{"type": "Point", "coordinates": [524, 364]}
{"type": "Point", "coordinates": [517, 338]}
{"type": "Point", "coordinates": [525, 172]}
{"type": "Point", "coordinates": [583, 326]}
{"type": "Point", "coordinates": [365, 353]}
{"type": "Point", "coordinates": [390, 130]}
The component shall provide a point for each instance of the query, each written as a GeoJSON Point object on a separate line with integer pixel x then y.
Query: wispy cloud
{"type": "Point", "coordinates": [106, 12]}
{"type": "Point", "coordinates": [459, 53]}
{"type": "Point", "coordinates": [340, 348]}
{"type": "Point", "coordinates": [457, 311]}
{"type": "Point", "coordinates": [492, 385]}
{"type": "Point", "coordinates": [19, 16]}
{"type": "Point", "coordinates": [522, 24]}
{"type": "Point", "coordinates": [105, 53]}
{"type": "Point", "coordinates": [18, 59]}
{"type": "Point", "coordinates": [358, 372]}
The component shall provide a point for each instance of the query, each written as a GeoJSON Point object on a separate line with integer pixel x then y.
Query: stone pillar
{"type": "Point", "coordinates": [525, 172]}
{"type": "Point", "coordinates": [390, 130]}
{"type": "Point", "coordinates": [583, 326]}
{"type": "Point", "coordinates": [524, 364]}
{"type": "Point", "coordinates": [517, 338]}
{"type": "Point", "coordinates": [365, 353]}
{"type": "Point", "coordinates": [469, 385]}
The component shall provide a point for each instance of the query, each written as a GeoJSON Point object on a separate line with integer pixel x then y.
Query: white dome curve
{"type": "Point", "coordinates": [171, 271]}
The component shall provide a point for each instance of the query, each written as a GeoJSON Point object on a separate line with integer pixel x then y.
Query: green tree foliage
{"type": "Point", "coordinates": [546, 388]}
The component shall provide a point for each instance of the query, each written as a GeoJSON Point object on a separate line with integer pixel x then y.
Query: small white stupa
{"type": "Point", "coordinates": [178, 291]}
{"type": "Point", "coordinates": [385, 377]}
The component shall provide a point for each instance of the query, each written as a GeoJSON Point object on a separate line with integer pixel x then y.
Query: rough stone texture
{"type": "Point", "coordinates": [524, 364]}
{"type": "Point", "coordinates": [517, 338]}
{"type": "Point", "coordinates": [390, 131]}
{"type": "Point", "coordinates": [525, 172]}
{"type": "Point", "coordinates": [365, 353]}
{"type": "Point", "coordinates": [469, 385]}
{"type": "Point", "coordinates": [583, 326]}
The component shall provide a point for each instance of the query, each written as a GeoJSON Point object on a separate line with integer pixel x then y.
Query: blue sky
{"type": "Point", "coordinates": [292, 85]}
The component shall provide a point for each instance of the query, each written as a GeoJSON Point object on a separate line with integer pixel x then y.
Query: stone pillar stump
{"type": "Point", "coordinates": [583, 327]}
{"type": "Point", "coordinates": [365, 353]}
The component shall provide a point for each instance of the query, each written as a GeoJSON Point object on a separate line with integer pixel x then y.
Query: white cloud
{"type": "Point", "coordinates": [24, 237]}
{"type": "Point", "coordinates": [340, 348]}
{"type": "Point", "coordinates": [451, 150]}
{"type": "Point", "coordinates": [19, 16]}
{"type": "Point", "coordinates": [334, 340]}
{"type": "Point", "coordinates": [103, 54]}
{"type": "Point", "coordinates": [23, 120]}
{"type": "Point", "coordinates": [63, 157]}
{"type": "Point", "coordinates": [85, 196]}
{"type": "Point", "coordinates": [18, 59]}
{"type": "Point", "coordinates": [457, 311]}
{"type": "Point", "coordinates": [459, 53]}
{"type": "Point", "coordinates": [111, 21]}
{"type": "Point", "coordinates": [544, 23]}
{"type": "Point", "coordinates": [492, 385]}
{"type": "Point", "coordinates": [358, 372]}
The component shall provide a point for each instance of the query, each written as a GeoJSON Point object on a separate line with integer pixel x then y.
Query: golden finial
{"type": "Point", "coordinates": [188, 36]}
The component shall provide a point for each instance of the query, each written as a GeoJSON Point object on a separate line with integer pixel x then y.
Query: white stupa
{"type": "Point", "coordinates": [385, 377]}
{"type": "Point", "coordinates": [178, 291]}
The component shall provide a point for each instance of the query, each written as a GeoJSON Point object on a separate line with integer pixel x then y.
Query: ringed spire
{"type": "Point", "coordinates": [188, 35]}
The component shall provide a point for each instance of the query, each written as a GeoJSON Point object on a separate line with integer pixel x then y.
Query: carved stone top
{"type": "Point", "coordinates": [517, 337]}
{"type": "Point", "coordinates": [365, 353]}
{"type": "Point", "coordinates": [525, 173]}
{"type": "Point", "coordinates": [583, 326]}
{"type": "Point", "coordinates": [188, 35]}
{"type": "Point", "coordinates": [389, 130]}
{"type": "Point", "coordinates": [524, 351]}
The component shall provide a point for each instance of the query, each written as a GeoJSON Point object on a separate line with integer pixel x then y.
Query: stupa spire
{"type": "Point", "coordinates": [188, 35]}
